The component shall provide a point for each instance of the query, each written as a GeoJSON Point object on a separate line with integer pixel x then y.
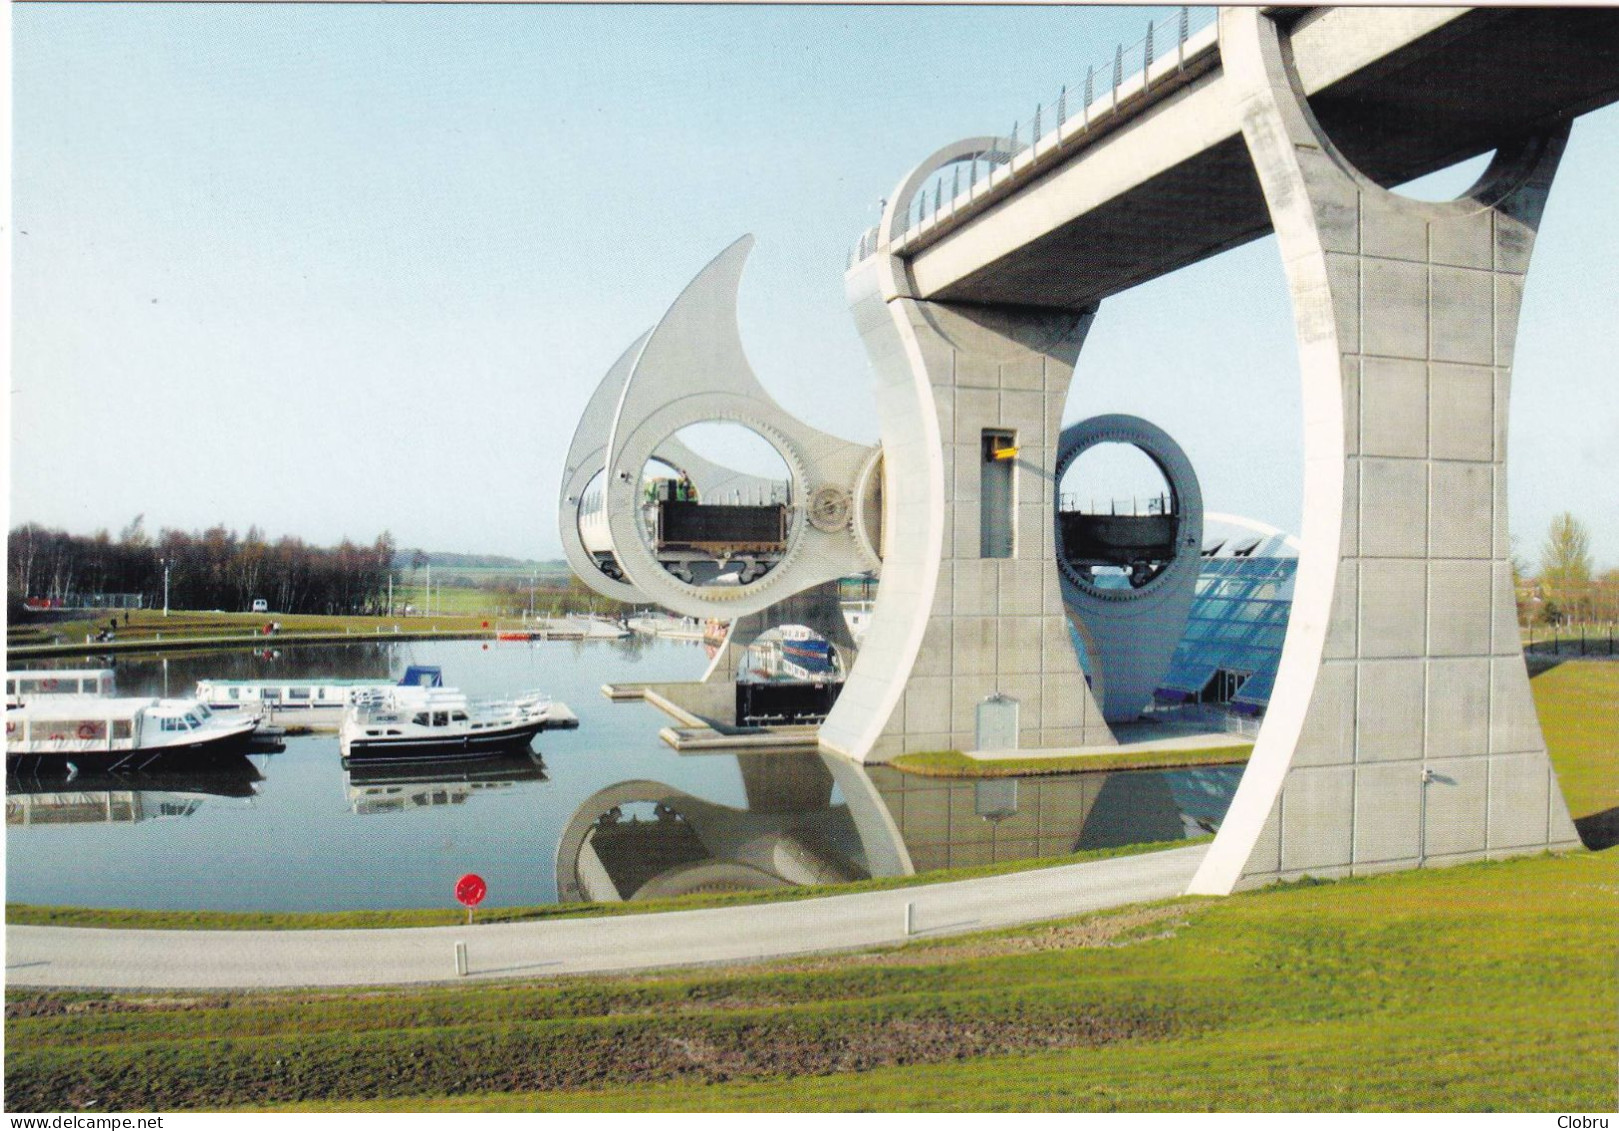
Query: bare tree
{"type": "Point", "coordinates": [1565, 565]}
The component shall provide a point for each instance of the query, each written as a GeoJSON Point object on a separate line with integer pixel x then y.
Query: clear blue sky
{"type": "Point", "coordinates": [334, 269]}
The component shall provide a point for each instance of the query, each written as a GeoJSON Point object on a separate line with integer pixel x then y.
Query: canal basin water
{"type": "Point", "coordinates": [606, 811]}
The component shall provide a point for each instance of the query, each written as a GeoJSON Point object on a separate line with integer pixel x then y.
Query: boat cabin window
{"type": "Point", "coordinates": [420, 718]}
{"type": "Point", "coordinates": [458, 716]}
{"type": "Point", "coordinates": [202, 710]}
{"type": "Point", "coordinates": [122, 728]}
{"type": "Point", "coordinates": [441, 718]}
{"type": "Point", "coordinates": [298, 693]}
{"type": "Point", "coordinates": [192, 721]}
{"type": "Point", "coordinates": [236, 693]}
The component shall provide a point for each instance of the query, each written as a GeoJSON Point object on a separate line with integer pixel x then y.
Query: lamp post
{"type": "Point", "coordinates": [164, 562]}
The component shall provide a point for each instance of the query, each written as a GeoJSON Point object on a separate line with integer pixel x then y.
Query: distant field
{"type": "Point", "coordinates": [149, 624]}
{"type": "Point", "coordinates": [454, 610]}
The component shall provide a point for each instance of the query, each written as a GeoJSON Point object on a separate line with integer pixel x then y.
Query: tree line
{"type": "Point", "coordinates": [1566, 589]}
{"type": "Point", "coordinates": [213, 569]}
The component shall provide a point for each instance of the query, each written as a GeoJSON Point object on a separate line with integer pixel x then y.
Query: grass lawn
{"type": "Point", "coordinates": [1578, 704]}
{"type": "Point", "coordinates": [1483, 987]}
{"type": "Point", "coordinates": [955, 764]}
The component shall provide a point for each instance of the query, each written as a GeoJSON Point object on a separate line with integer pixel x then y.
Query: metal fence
{"type": "Point", "coordinates": [1212, 716]}
{"type": "Point", "coordinates": [1170, 43]}
{"type": "Point", "coordinates": [1572, 640]}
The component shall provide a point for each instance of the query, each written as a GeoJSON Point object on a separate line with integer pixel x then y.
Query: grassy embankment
{"type": "Point", "coordinates": [148, 626]}
{"type": "Point", "coordinates": [955, 764]}
{"type": "Point", "coordinates": [1482, 987]}
{"type": "Point", "coordinates": [22, 913]}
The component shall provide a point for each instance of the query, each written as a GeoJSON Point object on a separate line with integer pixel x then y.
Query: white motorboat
{"type": "Point", "coordinates": [27, 686]}
{"type": "Point", "coordinates": [293, 695]}
{"type": "Point", "coordinates": [439, 724]}
{"type": "Point", "coordinates": [120, 733]}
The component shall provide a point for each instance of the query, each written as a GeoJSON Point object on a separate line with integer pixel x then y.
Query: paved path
{"type": "Point", "coordinates": [84, 957]}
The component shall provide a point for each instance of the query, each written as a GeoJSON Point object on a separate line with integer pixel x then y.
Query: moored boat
{"type": "Point", "coordinates": [27, 686]}
{"type": "Point", "coordinates": [121, 733]}
{"type": "Point", "coordinates": [429, 723]}
{"type": "Point", "coordinates": [280, 695]}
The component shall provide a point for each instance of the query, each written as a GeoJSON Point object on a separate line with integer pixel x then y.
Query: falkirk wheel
{"type": "Point", "coordinates": [646, 519]}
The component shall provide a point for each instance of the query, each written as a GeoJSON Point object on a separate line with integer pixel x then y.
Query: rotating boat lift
{"type": "Point", "coordinates": [710, 542]}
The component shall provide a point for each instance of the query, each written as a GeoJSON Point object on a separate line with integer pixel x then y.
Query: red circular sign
{"type": "Point", "coordinates": [470, 889]}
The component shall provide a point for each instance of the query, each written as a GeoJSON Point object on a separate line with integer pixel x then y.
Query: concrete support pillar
{"type": "Point", "coordinates": [1401, 732]}
{"type": "Point", "coordinates": [954, 621]}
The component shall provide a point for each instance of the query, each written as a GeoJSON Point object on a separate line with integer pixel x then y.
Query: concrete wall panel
{"type": "Point", "coordinates": [1394, 508]}
{"type": "Point", "coordinates": [1388, 813]}
{"type": "Point", "coordinates": [1392, 707]}
{"type": "Point", "coordinates": [1329, 729]}
{"type": "Point", "coordinates": [1463, 423]}
{"type": "Point", "coordinates": [1394, 405]}
{"type": "Point", "coordinates": [1458, 722]}
{"type": "Point", "coordinates": [1314, 833]}
{"type": "Point", "coordinates": [1393, 608]}
{"type": "Point", "coordinates": [1518, 790]}
{"type": "Point", "coordinates": [1456, 806]}
{"type": "Point", "coordinates": [1459, 604]}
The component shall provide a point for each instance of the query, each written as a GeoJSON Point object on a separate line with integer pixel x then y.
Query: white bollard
{"type": "Point", "coordinates": [910, 919]}
{"type": "Point", "coordinates": [461, 959]}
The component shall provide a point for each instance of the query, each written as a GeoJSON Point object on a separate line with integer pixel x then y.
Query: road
{"type": "Point", "coordinates": [129, 959]}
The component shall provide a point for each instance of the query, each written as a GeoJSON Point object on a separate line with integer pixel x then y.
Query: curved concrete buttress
{"type": "Point", "coordinates": [691, 370]}
{"type": "Point", "coordinates": [952, 626]}
{"type": "Point", "coordinates": [587, 455]}
{"type": "Point", "coordinates": [1401, 732]}
{"type": "Point", "coordinates": [1131, 633]}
